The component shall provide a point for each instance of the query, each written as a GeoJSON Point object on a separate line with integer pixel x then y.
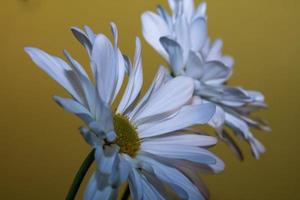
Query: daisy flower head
{"type": "Point", "coordinates": [182, 39]}
{"type": "Point", "coordinates": [147, 142]}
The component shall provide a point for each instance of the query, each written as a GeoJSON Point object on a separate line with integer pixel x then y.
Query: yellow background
{"type": "Point", "coordinates": [40, 147]}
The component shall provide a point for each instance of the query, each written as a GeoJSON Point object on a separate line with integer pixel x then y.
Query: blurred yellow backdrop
{"type": "Point", "coordinates": [40, 146]}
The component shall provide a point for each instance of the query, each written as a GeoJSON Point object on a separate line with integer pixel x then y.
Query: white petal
{"type": "Point", "coordinates": [90, 34]}
{"type": "Point", "coordinates": [195, 65]}
{"type": "Point", "coordinates": [57, 69]}
{"type": "Point", "coordinates": [188, 9]}
{"type": "Point", "coordinates": [93, 193]}
{"type": "Point", "coordinates": [169, 98]}
{"type": "Point", "coordinates": [184, 152]}
{"type": "Point", "coordinates": [175, 53]}
{"type": "Point", "coordinates": [182, 139]}
{"type": "Point", "coordinates": [154, 27]}
{"type": "Point", "coordinates": [156, 84]}
{"type": "Point", "coordinates": [107, 159]}
{"type": "Point", "coordinates": [177, 181]}
{"type": "Point", "coordinates": [215, 73]}
{"type": "Point", "coordinates": [201, 11]}
{"type": "Point", "coordinates": [164, 14]}
{"type": "Point", "coordinates": [183, 36]}
{"type": "Point", "coordinates": [241, 127]}
{"type": "Point", "coordinates": [135, 185]}
{"type": "Point", "coordinates": [149, 190]}
{"type": "Point", "coordinates": [186, 117]}
{"type": "Point", "coordinates": [86, 85]}
{"type": "Point", "coordinates": [135, 81]}
{"type": "Point", "coordinates": [218, 120]}
{"type": "Point", "coordinates": [257, 147]}
{"type": "Point", "coordinates": [83, 39]}
{"type": "Point", "coordinates": [215, 51]}
{"type": "Point", "coordinates": [198, 34]}
{"type": "Point", "coordinates": [74, 107]}
{"type": "Point", "coordinates": [121, 73]}
{"type": "Point", "coordinates": [120, 60]}
{"type": "Point", "coordinates": [228, 61]}
{"type": "Point", "coordinates": [104, 57]}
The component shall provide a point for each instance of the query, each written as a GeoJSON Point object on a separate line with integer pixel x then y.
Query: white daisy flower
{"type": "Point", "coordinates": [182, 39]}
{"type": "Point", "coordinates": [149, 142]}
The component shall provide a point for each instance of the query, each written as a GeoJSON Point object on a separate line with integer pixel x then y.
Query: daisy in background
{"type": "Point", "coordinates": [148, 142]}
{"type": "Point", "coordinates": [182, 39]}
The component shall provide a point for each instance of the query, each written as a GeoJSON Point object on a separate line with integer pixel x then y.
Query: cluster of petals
{"type": "Point", "coordinates": [171, 152]}
{"type": "Point", "coordinates": [182, 39]}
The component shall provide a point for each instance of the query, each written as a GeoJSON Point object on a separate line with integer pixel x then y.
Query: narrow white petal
{"type": "Point", "coordinates": [83, 39]}
{"type": "Point", "coordinates": [215, 51]}
{"type": "Point", "coordinates": [241, 127]}
{"type": "Point", "coordinates": [156, 84]}
{"type": "Point", "coordinates": [86, 85]}
{"type": "Point", "coordinates": [185, 152]}
{"type": "Point", "coordinates": [228, 61]}
{"type": "Point", "coordinates": [135, 185]}
{"type": "Point", "coordinates": [92, 192]}
{"type": "Point", "coordinates": [215, 73]}
{"type": "Point", "coordinates": [182, 32]}
{"type": "Point", "coordinates": [74, 107]}
{"type": "Point", "coordinates": [154, 27]}
{"type": "Point", "coordinates": [57, 69]}
{"type": "Point", "coordinates": [195, 65]}
{"type": "Point", "coordinates": [175, 53]}
{"type": "Point", "coordinates": [135, 81]}
{"type": "Point", "coordinates": [90, 34]}
{"type": "Point", "coordinates": [183, 187]}
{"type": "Point", "coordinates": [182, 139]}
{"type": "Point", "coordinates": [198, 34]}
{"type": "Point", "coordinates": [188, 9]}
{"type": "Point", "coordinates": [186, 117]}
{"type": "Point", "coordinates": [169, 98]}
{"type": "Point", "coordinates": [201, 11]}
{"type": "Point", "coordinates": [104, 57]}
{"type": "Point", "coordinates": [149, 190]}
{"type": "Point", "coordinates": [218, 120]}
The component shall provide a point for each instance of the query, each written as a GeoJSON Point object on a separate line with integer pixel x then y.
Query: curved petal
{"type": "Point", "coordinates": [215, 50]}
{"type": "Point", "coordinates": [182, 33]}
{"type": "Point", "coordinates": [200, 11]}
{"type": "Point", "coordinates": [83, 39]}
{"type": "Point", "coordinates": [168, 99]}
{"type": "Point", "coordinates": [198, 33]}
{"type": "Point", "coordinates": [57, 69]}
{"type": "Point", "coordinates": [104, 58]}
{"type": "Point", "coordinates": [215, 73]}
{"type": "Point", "coordinates": [186, 117]}
{"type": "Point", "coordinates": [188, 9]}
{"type": "Point", "coordinates": [241, 127]}
{"type": "Point", "coordinates": [183, 187]}
{"type": "Point", "coordinates": [182, 139]}
{"type": "Point", "coordinates": [135, 81]}
{"type": "Point", "coordinates": [195, 65]}
{"type": "Point", "coordinates": [74, 107]}
{"type": "Point", "coordinates": [92, 191]}
{"type": "Point", "coordinates": [175, 54]}
{"type": "Point", "coordinates": [156, 84]}
{"type": "Point", "coordinates": [183, 152]}
{"type": "Point", "coordinates": [154, 27]}
{"type": "Point", "coordinates": [135, 185]}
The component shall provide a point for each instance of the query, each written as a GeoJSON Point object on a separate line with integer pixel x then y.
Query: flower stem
{"type": "Point", "coordinates": [126, 193]}
{"type": "Point", "coordinates": [80, 175]}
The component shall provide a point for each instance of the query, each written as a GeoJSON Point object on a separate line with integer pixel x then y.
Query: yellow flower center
{"type": "Point", "coordinates": [127, 136]}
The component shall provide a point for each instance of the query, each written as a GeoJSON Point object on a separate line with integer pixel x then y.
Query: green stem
{"type": "Point", "coordinates": [80, 175]}
{"type": "Point", "coordinates": [126, 193]}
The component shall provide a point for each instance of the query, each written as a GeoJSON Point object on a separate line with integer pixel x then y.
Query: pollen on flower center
{"type": "Point", "coordinates": [127, 136]}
